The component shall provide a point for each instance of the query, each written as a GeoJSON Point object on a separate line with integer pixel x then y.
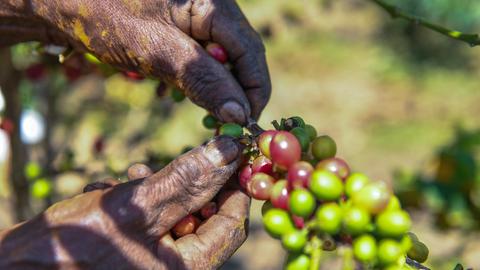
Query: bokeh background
{"type": "Point", "coordinates": [400, 101]}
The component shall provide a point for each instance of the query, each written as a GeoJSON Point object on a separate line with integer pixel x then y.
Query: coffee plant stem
{"type": "Point", "coordinates": [396, 12]}
{"type": "Point", "coordinates": [348, 262]}
{"type": "Point", "coordinates": [316, 255]}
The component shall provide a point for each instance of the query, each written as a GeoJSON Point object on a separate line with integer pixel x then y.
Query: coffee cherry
{"type": "Point", "coordinates": [299, 175]}
{"type": "Point", "coordinates": [32, 170]}
{"type": "Point", "coordinates": [324, 147]}
{"type": "Point", "coordinates": [277, 222]}
{"type": "Point", "coordinates": [285, 149]}
{"type": "Point", "coordinates": [245, 176]}
{"type": "Point", "coordinates": [302, 137]}
{"type": "Point", "coordinates": [294, 241]}
{"type": "Point", "coordinates": [217, 51]}
{"type": "Point", "coordinates": [326, 185]}
{"type": "Point", "coordinates": [311, 131]}
{"type": "Point", "coordinates": [413, 236]}
{"type": "Point", "coordinates": [334, 165]}
{"type": "Point", "coordinates": [133, 75]}
{"type": "Point", "coordinates": [185, 226]}
{"type": "Point", "coordinates": [7, 125]}
{"type": "Point", "coordinates": [389, 251]}
{"type": "Point", "coordinates": [279, 195]}
{"type": "Point", "coordinates": [356, 220]}
{"type": "Point", "coordinates": [329, 218]}
{"type": "Point", "coordinates": [262, 164]}
{"type": "Point", "coordinates": [267, 205]}
{"type": "Point", "coordinates": [301, 203]}
{"type": "Point", "coordinates": [208, 210]}
{"type": "Point", "coordinates": [406, 243]}
{"type": "Point", "coordinates": [231, 129]}
{"type": "Point", "coordinates": [298, 221]}
{"type": "Point", "coordinates": [41, 188]}
{"type": "Point", "coordinates": [418, 252]}
{"type": "Point", "coordinates": [373, 197]}
{"type": "Point", "coordinates": [264, 142]}
{"type": "Point", "coordinates": [393, 204]}
{"type": "Point", "coordinates": [393, 223]}
{"type": "Point", "coordinates": [365, 248]}
{"type": "Point", "coordinates": [260, 186]}
{"type": "Point", "coordinates": [177, 95]}
{"type": "Point", "coordinates": [294, 122]}
{"type": "Point", "coordinates": [210, 122]}
{"type": "Point", "coordinates": [36, 72]}
{"type": "Point", "coordinates": [297, 261]}
{"type": "Point", "coordinates": [355, 182]}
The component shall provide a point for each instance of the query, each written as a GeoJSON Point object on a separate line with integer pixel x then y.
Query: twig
{"type": "Point", "coordinates": [395, 12]}
{"type": "Point", "coordinates": [316, 255]}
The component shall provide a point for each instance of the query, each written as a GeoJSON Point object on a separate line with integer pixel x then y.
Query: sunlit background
{"type": "Point", "coordinates": [400, 101]}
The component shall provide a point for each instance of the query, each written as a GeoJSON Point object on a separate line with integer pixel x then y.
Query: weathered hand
{"type": "Point", "coordinates": [126, 226]}
{"type": "Point", "coordinates": [161, 38]}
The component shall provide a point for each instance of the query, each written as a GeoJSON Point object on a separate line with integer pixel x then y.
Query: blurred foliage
{"type": "Point", "coordinates": [451, 190]}
{"type": "Point", "coordinates": [425, 47]}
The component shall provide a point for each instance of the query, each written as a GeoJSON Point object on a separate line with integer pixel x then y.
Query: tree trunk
{"type": "Point", "coordinates": [9, 82]}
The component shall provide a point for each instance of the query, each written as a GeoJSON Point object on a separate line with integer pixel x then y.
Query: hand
{"type": "Point", "coordinates": [160, 38]}
{"type": "Point", "coordinates": [126, 226]}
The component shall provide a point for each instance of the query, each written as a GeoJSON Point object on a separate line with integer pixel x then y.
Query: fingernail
{"type": "Point", "coordinates": [222, 150]}
{"type": "Point", "coordinates": [232, 112]}
{"type": "Point", "coordinates": [138, 171]}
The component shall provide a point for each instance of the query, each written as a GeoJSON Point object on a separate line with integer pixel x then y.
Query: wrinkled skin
{"type": "Point", "coordinates": [159, 38]}
{"type": "Point", "coordinates": [125, 226]}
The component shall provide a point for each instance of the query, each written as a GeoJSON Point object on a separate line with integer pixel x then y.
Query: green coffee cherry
{"type": "Point", "coordinates": [294, 241]}
{"type": "Point", "coordinates": [418, 252]}
{"type": "Point", "coordinates": [302, 137]}
{"type": "Point", "coordinates": [210, 122]}
{"type": "Point", "coordinates": [177, 95]}
{"type": "Point", "coordinates": [311, 131]}
{"type": "Point", "coordinates": [324, 147]}
{"type": "Point", "coordinates": [231, 129]}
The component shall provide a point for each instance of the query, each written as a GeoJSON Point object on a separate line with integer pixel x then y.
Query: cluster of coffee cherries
{"type": "Point", "coordinates": [314, 203]}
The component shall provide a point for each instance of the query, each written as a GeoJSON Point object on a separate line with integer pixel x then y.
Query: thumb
{"type": "Point", "coordinates": [181, 188]}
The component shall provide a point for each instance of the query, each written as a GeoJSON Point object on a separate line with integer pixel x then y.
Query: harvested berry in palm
{"type": "Point", "coordinates": [208, 210]}
{"type": "Point", "coordinates": [187, 225]}
{"type": "Point", "coordinates": [218, 52]}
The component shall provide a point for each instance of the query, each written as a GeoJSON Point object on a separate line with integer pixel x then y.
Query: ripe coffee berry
{"type": "Point", "coordinates": [285, 149]}
{"type": "Point", "coordinates": [217, 52]}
